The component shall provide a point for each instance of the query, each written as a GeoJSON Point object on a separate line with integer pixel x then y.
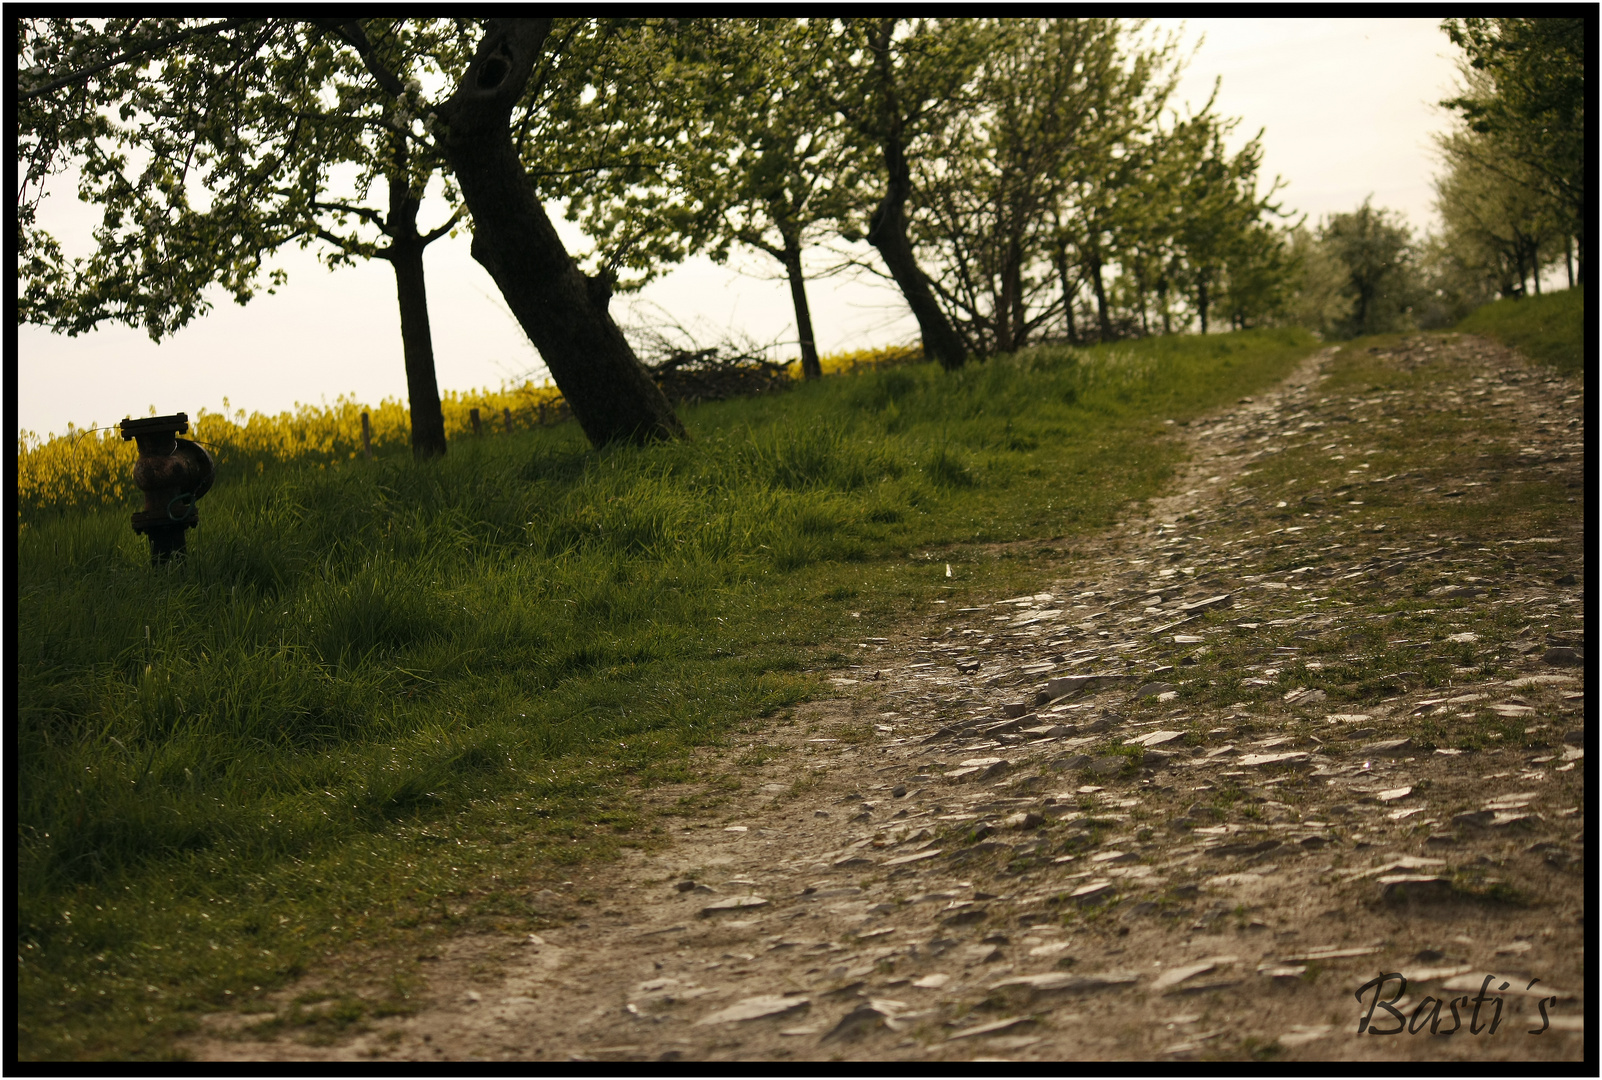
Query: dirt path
{"type": "Point", "coordinates": [921, 873]}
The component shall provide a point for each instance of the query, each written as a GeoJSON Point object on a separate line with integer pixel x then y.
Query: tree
{"type": "Point", "coordinates": [1219, 205]}
{"type": "Point", "coordinates": [896, 83]}
{"type": "Point", "coordinates": [1056, 103]}
{"type": "Point", "coordinates": [332, 77]}
{"type": "Point", "coordinates": [1375, 250]}
{"type": "Point", "coordinates": [781, 167]}
{"type": "Point", "coordinates": [1532, 100]}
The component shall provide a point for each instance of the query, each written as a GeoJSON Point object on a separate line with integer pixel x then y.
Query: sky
{"type": "Point", "coordinates": [1347, 107]}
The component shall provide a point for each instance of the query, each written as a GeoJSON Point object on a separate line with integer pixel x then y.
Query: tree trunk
{"type": "Point", "coordinates": [1535, 265]}
{"type": "Point", "coordinates": [563, 312]}
{"type": "Point", "coordinates": [1104, 320]}
{"type": "Point", "coordinates": [405, 254]}
{"type": "Point", "coordinates": [811, 368]}
{"type": "Point", "coordinates": [1067, 297]}
{"type": "Point", "coordinates": [887, 232]}
{"type": "Point", "coordinates": [1201, 303]}
{"type": "Point", "coordinates": [1568, 260]}
{"type": "Point", "coordinates": [1162, 301]}
{"type": "Point", "coordinates": [422, 389]}
{"type": "Point", "coordinates": [887, 228]}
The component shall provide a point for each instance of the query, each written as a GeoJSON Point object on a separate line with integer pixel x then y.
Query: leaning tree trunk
{"type": "Point", "coordinates": [811, 367]}
{"type": "Point", "coordinates": [887, 232]}
{"type": "Point", "coordinates": [563, 311]}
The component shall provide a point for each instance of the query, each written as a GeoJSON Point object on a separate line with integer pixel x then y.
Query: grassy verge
{"type": "Point", "coordinates": [1548, 328]}
{"type": "Point", "coordinates": [384, 698]}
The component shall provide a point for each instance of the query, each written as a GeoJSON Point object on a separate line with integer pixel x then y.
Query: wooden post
{"type": "Point", "coordinates": [508, 414]}
{"type": "Point", "coordinates": [472, 414]}
{"type": "Point", "coordinates": [367, 437]}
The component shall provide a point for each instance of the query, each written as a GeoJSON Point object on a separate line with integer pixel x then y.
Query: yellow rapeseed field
{"type": "Point", "coordinates": [94, 468]}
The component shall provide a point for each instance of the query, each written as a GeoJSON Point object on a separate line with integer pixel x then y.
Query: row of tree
{"type": "Point", "coordinates": [1016, 179]}
{"type": "Point", "coordinates": [1509, 195]}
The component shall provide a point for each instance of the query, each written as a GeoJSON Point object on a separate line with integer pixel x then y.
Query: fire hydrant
{"type": "Point", "coordinates": [173, 473]}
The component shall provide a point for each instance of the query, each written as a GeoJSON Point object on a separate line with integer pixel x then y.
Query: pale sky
{"type": "Point", "coordinates": [1348, 104]}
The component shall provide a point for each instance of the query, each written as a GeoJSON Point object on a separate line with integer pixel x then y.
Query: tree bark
{"type": "Point", "coordinates": [811, 368]}
{"type": "Point", "coordinates": [1568, 260]}
{"type": "Point", "coordinates": [563, 311]}
{"type": "Point", "coordinates": [1104, 319]}
{"type": "Point", "coordinates": [1201, 303]}
{"type": "Point", "coordinates": [887, 228]}
{"type": "Point", "coordinates": [1061, 259]}
{"type": "Point", "coordinates": [405, 254]}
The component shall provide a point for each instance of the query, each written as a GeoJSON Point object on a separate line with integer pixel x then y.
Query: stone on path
{"type": "Point", "coordinates": [755, 1008]}
{"type": "Point", "coordinates": [733, 903]}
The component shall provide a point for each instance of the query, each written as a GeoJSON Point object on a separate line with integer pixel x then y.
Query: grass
{"type": "Point", "coordinates": [1549, 328]}
{"type": "Point", "coordinates": [385, 699]}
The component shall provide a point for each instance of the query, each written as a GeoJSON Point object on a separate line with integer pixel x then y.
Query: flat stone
{"type": "Point", "coordinates": [1395, 887]}
{"type": "Point", "coordinates": [1330, 952]}
{"type": "Point", "coordinates": [1069, 685]}
{"type": "Point", "coordinates": [1222, 600]}
{"type": "Point", "coordinates": [917, 856]}
{"type": "Point", "coordinates": [1562, 657]}
{"type": "Point", "coordinates": [1114, 857]}
{"type": "Point", "coordinates": [1155, 738]}
{"type": "Point", "coordinates": [1172, 977]}
{"type": "Point", "coordinates": [1474, 819]}
{"type": "Point", "coordinates": [1056, 982]}
{"type": "Point", "coordinates": [1516, 801]}
{"type": "Point", "coordinates": [992, 1027]}
{"type": "Point", "coordinates": [733, 903]}
{"type": "Point", "coordinates": [1091, 892]}
{"type": "Point", "coordinates": [932, 982]}
{"type": "Point", "coordinates": [966, 917]}
{"type": "Point", "coordinates": [1513, 987]}
{"type": "Point", "coordinates": [1025, 820]}
{"type": "Point", "coordinates": [1394, 793]}
{"type": "Point", "coordinates": [1266, 760]}
{"type": "Point", "coordinates": [1389, 748]}
{"type": "Point", "coordinates": [755, 1008]}
{"type": "Point", "coordinates": [1155, 689]}
{"type": "Point", "coordinates": [859, 1021]}
{"type": "Point", "coordinates": [1055, 948]}
{"type": "Point", "coordinates": [1515, 820]}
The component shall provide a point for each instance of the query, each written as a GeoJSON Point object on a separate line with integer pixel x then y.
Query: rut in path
{"type": "Point", "coordinates": [1061, 843]}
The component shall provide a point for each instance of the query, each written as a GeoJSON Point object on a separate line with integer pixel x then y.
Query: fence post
{"type": "Point", "coordinates": [367, 437]}
{"type": "Point", "coordinates": [508, 413]}
{"type": "Point", "coordinates": [472, 414]}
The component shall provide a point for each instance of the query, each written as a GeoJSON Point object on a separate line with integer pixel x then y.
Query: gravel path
{"type": "Point", "coordinates": [1048, 828]}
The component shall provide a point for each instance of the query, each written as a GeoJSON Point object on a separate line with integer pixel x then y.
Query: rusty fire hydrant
{"type": "Point", "coordinates": [173, 473]}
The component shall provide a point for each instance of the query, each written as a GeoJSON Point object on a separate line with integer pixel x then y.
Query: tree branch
{"type": "Point", "coordinates": [366, 214]}
{"type": "Point", "coordinates": [141, 50]}
{"type": "Point", "coordinates": [429, 238]}
{"type": "Point", "coordinates": [351, 33]}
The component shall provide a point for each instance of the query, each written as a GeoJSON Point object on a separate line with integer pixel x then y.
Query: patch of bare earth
{"type": "Point", "coordinates": [1047, 828]}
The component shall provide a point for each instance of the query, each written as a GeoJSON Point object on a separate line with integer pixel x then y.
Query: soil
{"type": "Point", "coordinates": [918, 874]}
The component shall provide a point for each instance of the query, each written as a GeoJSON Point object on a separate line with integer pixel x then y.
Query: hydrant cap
{"type": "Point", "coordinates": [177, 423]}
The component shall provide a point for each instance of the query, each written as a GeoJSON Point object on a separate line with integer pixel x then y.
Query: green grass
{"type": "Point", "coordinates": [1549, 328]}
{"type": "Point", "coordinates": [384, 699]}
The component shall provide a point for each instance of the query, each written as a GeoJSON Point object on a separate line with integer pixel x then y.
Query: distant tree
{"type": "Point", "coordinates": [1375, 250]}
{"type": "Point", "coordinates": [896, 83]}
{"type": "Point", "coordinates": [1531, 100]}
{"type": "Point", "coordinates": [780, 169]}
